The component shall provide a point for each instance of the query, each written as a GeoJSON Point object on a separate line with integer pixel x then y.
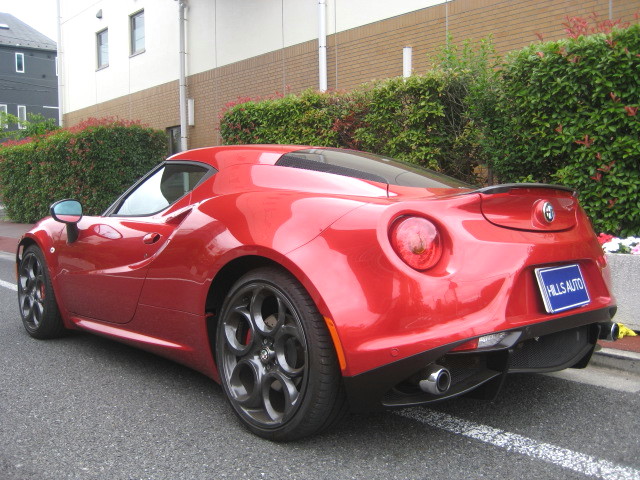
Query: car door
{"type": "Point", "coordinates": [100, 275]}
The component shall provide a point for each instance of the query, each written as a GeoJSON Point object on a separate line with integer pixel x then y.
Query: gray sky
{"type": "Point", "coordinates": [39, 14]}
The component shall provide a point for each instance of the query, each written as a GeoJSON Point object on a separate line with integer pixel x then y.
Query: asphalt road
{"type": "Point", "coordinates": [84, 407]}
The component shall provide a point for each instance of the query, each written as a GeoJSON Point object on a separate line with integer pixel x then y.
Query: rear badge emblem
{"type": "Point", "coordinates": [548, 212]}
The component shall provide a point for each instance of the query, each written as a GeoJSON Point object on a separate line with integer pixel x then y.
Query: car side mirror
{"type": "Point", "coordinates": [68, 212]}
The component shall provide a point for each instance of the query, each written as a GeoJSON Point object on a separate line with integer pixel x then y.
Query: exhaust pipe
{"type": "Point", "coordinates": [437, 380]}
{"type": "Point", "coordinates": [608, 331]}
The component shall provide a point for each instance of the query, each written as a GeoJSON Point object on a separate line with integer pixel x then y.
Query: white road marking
{"type": "Point", "coordinates": [562, 457]}
{"type": "Point", "coordinates": [619, 380]}
{"type": "Point", "coordinates": [11, 258]}
{"type": "Point", "coordinates": [10, 286]}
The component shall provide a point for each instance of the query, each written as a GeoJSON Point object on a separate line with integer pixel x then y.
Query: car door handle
{"type": "Point", "coordinates": [150, 238]}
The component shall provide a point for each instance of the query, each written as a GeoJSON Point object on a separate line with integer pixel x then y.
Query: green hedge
{"type": "Point", "coordinates": [422, 119]}
{"type": "Point", "coordinates": [305, 119]}
{"type": "Point", "coordinates": [568, 113]}
{"type": "Point", "coordinates": [93, 163]}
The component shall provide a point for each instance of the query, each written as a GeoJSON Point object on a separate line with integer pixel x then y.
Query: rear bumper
{"type": "Point", "coordinates": [540, 347]}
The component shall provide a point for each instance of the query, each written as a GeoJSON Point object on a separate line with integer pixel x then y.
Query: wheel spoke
{"type": "Point", "coordinates": [282, 311]}
{"type": "Point", "coordinates": [279, 396]}
{"type": "Point", "coordinates": [31, 269]}
{"type": "Point", "coordinates": [38, 290]}
{"type": "Point", "coordinates": [25, 269]}
{"type": "Point", "coordinates": [37, 311]}
{"type": "Point", "coordinates": [26, 307]}
{"type": "Point", "coordinates": [239, 331]}
{"type": "Point", "coordinates": [266, 310]}
{"type": "Point", "coordinates": [244, 383]}
{"type": "Point", "coordinates": [290, 350]}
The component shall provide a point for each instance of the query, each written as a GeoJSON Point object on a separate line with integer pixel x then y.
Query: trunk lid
{"type": "Point", "coordinates": [531, 207]}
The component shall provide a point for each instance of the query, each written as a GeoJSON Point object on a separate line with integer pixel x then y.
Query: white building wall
{"type": "Point", "coordinates": [219, 32]}
{"type": "Point", "coordinates": [84, 84]}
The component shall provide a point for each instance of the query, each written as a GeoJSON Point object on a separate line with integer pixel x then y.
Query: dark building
{"type": "Point", "coordinates": [28, 79]}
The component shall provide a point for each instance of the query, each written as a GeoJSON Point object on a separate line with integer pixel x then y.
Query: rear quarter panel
{"type": "Point", "coordinates": [385, 311]}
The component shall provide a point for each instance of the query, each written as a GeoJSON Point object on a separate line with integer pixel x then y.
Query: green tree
{"type": "Point", "coordinates": [35, 124]}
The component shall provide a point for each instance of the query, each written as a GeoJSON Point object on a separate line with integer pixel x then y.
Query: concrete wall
{"type": "Point", "coordinates": [625, 275]}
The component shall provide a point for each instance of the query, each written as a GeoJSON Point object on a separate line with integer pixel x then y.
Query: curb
{"type": "Point", "coordinates": [8, 244]}
{"type": "Point", "coordinates": [617, 359]}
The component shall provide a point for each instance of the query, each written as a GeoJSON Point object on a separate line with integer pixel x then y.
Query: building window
{"type": "Point", "coordinates": [20, 62]}
{"type": "Point", "coordinates": [22, 117]}
{"type": "Point", "coordinates": [136, 24]}
{"type": "Point", "coordinates": [102, 43]}
{"type": "Point", "coordinates": [3, 116]}
{"type": "Point", "coordinates": [174, 139]}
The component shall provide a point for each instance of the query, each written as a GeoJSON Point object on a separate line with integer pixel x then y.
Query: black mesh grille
{"type": "Point", "coordinates": [550, 351]}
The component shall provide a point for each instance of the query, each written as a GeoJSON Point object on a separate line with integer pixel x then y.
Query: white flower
{"type": "Point", "coordinates": [613, 246]}
{"type": "Point", "coordinates": [625, 245]}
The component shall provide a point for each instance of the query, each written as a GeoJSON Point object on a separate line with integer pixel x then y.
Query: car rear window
{"type": "Point", "coordinates": [368, 166]}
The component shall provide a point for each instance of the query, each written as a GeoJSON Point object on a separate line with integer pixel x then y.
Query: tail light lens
{"type": "Point", "coordinates": [416, 241]}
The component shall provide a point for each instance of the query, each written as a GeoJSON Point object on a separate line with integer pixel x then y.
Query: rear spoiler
{"type": "Point", "coordinates": [506, 187]}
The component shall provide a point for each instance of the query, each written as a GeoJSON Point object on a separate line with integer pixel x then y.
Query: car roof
{"type": "Point", "coordinates": [224, 156]}
{"type": "Point", "coordinates": [349, 163]}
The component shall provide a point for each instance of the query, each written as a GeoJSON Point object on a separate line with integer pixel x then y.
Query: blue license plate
{"type": "Point", "coordinates": [562, 288]}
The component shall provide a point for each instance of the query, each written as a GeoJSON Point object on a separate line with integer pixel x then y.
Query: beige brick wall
{"type": "Point", "coordinates": [354, 57]}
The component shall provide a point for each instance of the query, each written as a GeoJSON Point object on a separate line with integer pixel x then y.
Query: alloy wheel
{"type": "Point", "coordinates": [31, 290]}
{"type": "Point", "coordinates": [264, 355]}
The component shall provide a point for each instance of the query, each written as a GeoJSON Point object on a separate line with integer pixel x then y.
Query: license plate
{"type": "Point", "coordinates": [562, 288]}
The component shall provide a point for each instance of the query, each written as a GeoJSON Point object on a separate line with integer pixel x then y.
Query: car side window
{"type": "Point", "coordinates": [164, 187]}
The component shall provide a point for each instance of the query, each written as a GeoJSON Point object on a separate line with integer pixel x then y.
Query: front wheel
{"type": "Point", "coordinates": [277, 363]}
{"type": "Point", "coordinates": [37, 302]}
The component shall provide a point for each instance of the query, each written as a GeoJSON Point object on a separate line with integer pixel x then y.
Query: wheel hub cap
{"type": "Point", "coordinates": [266, 355]}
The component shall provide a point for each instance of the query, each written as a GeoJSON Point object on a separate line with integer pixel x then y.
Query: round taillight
{"type": "Point", "coordinates": [416, 241]}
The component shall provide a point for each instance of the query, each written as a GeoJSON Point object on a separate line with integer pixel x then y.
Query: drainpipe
{"type": "Point", "coordinates": [59, 60]}
{"type": "Point", "coordinates": [407, 68]}
{"type": "Point", "coordinates": [610, 9]}
{"type": "Point", "coordinates": [322, 45]}
{"type": "Point", "coordinates": [182, 6]}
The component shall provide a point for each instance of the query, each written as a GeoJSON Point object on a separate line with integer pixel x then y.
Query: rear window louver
{"type": "Point", "coordinates": [306, 164]}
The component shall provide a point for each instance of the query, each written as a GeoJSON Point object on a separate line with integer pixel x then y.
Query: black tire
{"type": "Point", "coordinates": [37, 302]}
{"type": "Point", "coordinates": [277, 363]}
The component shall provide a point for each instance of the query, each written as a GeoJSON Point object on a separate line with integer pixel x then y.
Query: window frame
{"type": "Point", "coordinates": [115, 206]}
{"type": "Point", "coordinates": [132, 33]}
{"type": "Point", "coordinates": [21, 126]}
{"type": "Point", "coordinates": [4, 109]}
{"type": "Point", "coordinates": [172, 139]}
{"type": "Point", "coordinates": [102, 61]}
{"type": "Point", "coordinates": [19, 55]}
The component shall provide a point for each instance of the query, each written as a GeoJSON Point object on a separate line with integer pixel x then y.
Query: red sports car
{"type": "Point", "coordinates": [307, 281]}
